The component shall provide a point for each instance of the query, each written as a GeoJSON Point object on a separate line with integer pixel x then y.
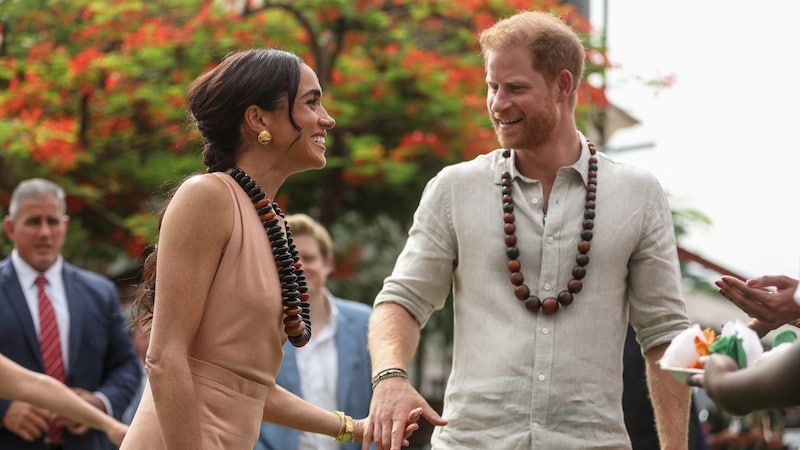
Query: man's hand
{"type": "Point", "coordinates": [26, 420]}
{"type": "Point", "coordinates": [412, 425]}
{"type": "Point", "coordinates": [393, 403]}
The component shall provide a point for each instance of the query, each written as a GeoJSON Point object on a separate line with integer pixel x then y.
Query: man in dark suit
{"type": "Point", "coordinates": [333, 370]}
{"type": "Point", "coordinates": [61, 320]}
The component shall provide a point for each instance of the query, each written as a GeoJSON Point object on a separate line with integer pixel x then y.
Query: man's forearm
{"type": "Point", "coordinates": [671, 401]}
{"type": "Point", "coordinates": [393, 337]}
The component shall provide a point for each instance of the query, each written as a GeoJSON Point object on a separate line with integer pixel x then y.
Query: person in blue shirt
{"type": "Point", "coordinates": [333, 370]}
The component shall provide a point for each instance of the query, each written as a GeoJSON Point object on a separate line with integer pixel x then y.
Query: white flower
{"type": "Point", "coordinates": [682, 351]}
{"type": "Point", "coordinates": [750, 343]}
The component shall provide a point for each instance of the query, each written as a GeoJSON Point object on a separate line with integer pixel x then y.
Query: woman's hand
{"type": "Point", "coordinates": [116, 431]}
{"type": "Point", "coordinates": [717, 382]}
{"type": "Point", "coordinates": [412, 425]}
{"type": "Point", "coordinates": [769, 300]}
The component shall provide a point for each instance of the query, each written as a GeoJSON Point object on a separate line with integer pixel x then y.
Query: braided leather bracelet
{"type": "Point", "coordinates": [385, 374]}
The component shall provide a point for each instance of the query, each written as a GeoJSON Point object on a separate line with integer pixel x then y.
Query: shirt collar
{"type": "Point", "coordinates": [333, 309]}
{"type": "Point", "coordinates": [509, 164]}
{"type": "Point", "coordinates": [26, 274]}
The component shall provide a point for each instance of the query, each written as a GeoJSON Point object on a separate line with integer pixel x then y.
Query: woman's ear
{"type": "Point", "coordinates": [256, 119]}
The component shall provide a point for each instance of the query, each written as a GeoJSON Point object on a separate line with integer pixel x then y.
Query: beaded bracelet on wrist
{"type": "Point", "coordinates": [385, 374]}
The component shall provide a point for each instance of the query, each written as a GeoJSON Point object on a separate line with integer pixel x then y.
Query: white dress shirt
{"type": "Point", "coordinates": [318, 368]}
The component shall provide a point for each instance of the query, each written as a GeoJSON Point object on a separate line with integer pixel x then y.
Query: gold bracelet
{"type": "Point", "coordinates": [345, 435]}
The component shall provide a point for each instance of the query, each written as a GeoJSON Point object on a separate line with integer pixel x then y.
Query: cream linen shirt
{"type": "Point", "coordinates": [521, 380]}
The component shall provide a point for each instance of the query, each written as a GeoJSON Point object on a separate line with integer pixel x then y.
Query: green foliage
{"type": "Point", "coordinates": [684, 219]}
{"type": "Point", "coordinates": [366, 248]}
{"type": "Point", "coordinates": [93, 91]}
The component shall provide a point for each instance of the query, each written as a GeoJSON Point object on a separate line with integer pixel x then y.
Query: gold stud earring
{"type": "Point", "coordinates": [264, 137]}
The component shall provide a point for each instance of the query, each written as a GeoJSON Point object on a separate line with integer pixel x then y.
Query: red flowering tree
{"type": "Point", "coordinates": [92, 97]}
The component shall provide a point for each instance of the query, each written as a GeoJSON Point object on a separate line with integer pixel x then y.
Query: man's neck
{"type": "Point", "coordinates": [320, 309]}
{"type": "Point", "coordinates": [543, 162]}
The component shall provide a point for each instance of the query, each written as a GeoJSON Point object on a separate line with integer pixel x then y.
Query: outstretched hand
{"type": "Point", "coordinates": [769, 308]}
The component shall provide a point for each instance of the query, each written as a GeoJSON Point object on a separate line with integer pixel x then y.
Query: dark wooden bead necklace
{"type": "Point", "coordinates": [549, 305]}
{"type": "Point", "coordinates": [296, 309]}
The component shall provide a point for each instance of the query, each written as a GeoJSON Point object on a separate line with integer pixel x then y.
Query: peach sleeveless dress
{"type": "Point", "coordinates": [236, 353]}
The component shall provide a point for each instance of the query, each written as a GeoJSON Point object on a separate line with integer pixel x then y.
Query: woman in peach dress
{"type": "Point", "coordinates": [228, 289]}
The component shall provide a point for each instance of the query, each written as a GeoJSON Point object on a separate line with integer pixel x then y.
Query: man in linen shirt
{"type": "Point", "coordinates": [529, 371]}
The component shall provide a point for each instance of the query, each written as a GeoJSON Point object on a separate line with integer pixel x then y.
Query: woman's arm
{"type": "Point", "coordinates": [40, 390]}
{"type": "Point", "coordinates": [190, 243]}
{"type": "Point", "coordinates": [769, 383]}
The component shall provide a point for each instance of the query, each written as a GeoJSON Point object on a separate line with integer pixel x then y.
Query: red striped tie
{"type": "Point", "coordinates": [50, 343]}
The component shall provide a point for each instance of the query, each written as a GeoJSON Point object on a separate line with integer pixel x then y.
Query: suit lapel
{"type": "Point", "coordinates": [291, 379]}
{"type": "Point", "coordinates": [11, 294]}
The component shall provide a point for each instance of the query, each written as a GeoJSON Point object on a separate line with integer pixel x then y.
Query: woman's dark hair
{"type": "Point", "coordinates": [217, 101]}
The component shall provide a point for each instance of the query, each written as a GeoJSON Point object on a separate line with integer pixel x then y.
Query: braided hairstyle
{"type": "Point", "coordinates": [217, 101]}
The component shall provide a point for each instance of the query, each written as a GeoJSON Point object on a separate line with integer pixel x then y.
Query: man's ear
{"type": "Point", "coordinates": [9, 226]}
{"type": "Point", "coordinates": [565, 82]}
{"type": "Point", "coordinates": [328, 264]}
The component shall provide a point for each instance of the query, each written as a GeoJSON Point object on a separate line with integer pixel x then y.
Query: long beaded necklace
{"type": "Point", "coordinates": [549, 305]}
{"type": "Point", "coordinates": [296, 309]}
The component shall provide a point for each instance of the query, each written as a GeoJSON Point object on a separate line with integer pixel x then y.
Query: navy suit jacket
{"type": "Point", "coordinates": [353, 381]}
{"type": "Point", "coordinates": [101, 355]}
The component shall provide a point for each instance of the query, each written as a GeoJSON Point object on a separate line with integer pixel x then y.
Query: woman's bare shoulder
{"type": "Point", "coordinates": [201, 202]}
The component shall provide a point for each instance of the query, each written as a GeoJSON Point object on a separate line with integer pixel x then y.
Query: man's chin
{"type": "Point", "coordinates": [504, 139]}
{"type": "Point", "coordinates": [505, 142]}
{"type": "Point", "coordinates": [42, 264]}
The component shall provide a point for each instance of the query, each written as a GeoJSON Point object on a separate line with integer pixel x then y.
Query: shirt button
{"type": "Point", "coordinates": [545, 330]}
{"type": "Point", "coordinates": [547, 286]}
{"type": "Point", "coordinates": [535, 424]}
{"type": "Point", "coordinates": [535, 201]}
{"type": "Point", "coordinates": [541, 377]}
{"type": "Point", "coordinates": [550, 239]}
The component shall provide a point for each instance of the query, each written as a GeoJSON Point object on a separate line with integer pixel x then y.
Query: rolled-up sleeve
{"type": "Point", "coordinates": [657, 307]}
{"type": "Point", "coordinates": [423, 273]}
